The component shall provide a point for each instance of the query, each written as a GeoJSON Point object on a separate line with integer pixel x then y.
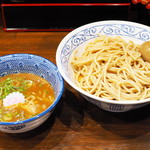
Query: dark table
{"type": "Point", "coordinates": [75, 124]}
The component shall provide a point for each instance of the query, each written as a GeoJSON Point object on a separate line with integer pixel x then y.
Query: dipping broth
{"type": "Point", "coordinates": [24, 95]}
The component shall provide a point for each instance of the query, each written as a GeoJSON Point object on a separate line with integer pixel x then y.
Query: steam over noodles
{"type": "Point", "coordinates": [112, 68]}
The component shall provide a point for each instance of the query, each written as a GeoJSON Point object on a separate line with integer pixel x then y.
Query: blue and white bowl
{"type": "Point", "coordinates": [28, 63]}
{"type": "Point", "coordinates": [79, 37]}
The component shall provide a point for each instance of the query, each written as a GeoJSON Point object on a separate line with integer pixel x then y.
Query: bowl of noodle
{"type": "Point", "coordinates": [101, 60]}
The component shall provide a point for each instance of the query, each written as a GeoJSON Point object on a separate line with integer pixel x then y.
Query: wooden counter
{"type": "Point", "coordinates": [75, 124]}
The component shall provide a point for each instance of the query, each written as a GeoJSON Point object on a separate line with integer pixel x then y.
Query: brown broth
{"type": "Point", "coordinates": [38, 92]}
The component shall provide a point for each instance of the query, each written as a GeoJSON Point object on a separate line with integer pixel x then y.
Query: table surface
{"type": "Point", "coordinates": [75, 124]}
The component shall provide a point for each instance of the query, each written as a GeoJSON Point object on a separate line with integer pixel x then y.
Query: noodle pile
{"type": "Point", "coordinates": [112, 68]}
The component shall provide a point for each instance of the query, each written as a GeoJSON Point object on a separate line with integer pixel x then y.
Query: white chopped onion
{"type": "Point", "coordinates": [13, 98]}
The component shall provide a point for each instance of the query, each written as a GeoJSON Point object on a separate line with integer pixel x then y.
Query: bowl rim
{"type": "Point", "coordinates": [51, 106]}
{"type": "Point", "coordinates": [71, 83]}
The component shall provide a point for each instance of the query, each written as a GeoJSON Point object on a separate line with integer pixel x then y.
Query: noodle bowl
{"type": "Point", "coordinates": [114, 78]}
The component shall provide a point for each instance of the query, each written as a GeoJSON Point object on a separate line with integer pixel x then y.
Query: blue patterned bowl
{"type": "Point", "coordinates": [28, 63]}
{"type": "Point", "coordinates": [80, 36]}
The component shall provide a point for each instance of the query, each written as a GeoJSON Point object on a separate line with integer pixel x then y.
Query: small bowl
{"type": "Point", "coordinates": [28, 63]}
{"type": "Point", "coordinates": [79, 37]}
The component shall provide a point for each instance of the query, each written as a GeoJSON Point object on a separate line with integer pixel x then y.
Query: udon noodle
{"type": "Point", "coordinates": [112, 68]}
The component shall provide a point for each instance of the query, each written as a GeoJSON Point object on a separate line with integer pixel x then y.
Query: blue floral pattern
{"type": "Point", "coordinates": [107, 29]}
{"type": "Point", "coordinates": [29, 63]}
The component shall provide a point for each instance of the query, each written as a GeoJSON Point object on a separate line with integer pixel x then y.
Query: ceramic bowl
{"type": "Point", "coordinates": [79, 37]}
{"type": "Point", "coordinates": [28, 63]}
